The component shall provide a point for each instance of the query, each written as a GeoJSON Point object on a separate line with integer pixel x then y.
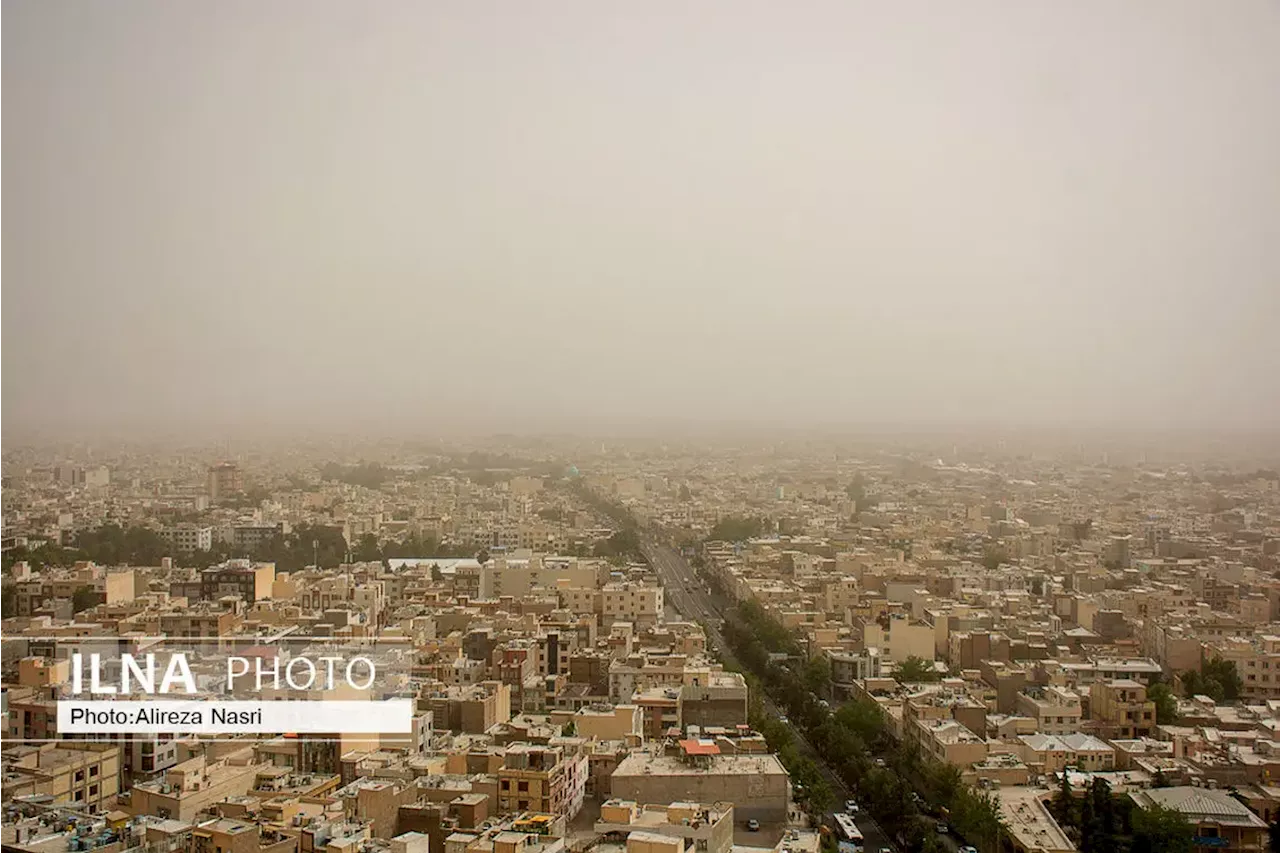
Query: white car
{"type": "Point", "coordinates": [850, 807]}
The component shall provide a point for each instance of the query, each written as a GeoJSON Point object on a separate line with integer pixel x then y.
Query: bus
{"type": "Point", "coordinates": [848, 832]}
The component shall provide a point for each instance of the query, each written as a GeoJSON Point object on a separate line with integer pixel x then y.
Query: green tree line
{"type": "Point", "coordinates": [1100, 822]}
{"type": "Point", "coordinates": [892, 779]}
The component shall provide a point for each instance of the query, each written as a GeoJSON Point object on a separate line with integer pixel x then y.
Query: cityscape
{"type": "Point", "coordinates": [579, 427]}
{"type": "Point", "coordinates": [782, 646]}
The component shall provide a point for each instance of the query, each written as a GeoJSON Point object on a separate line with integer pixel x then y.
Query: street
{"type": "Point", "coordinates": [688, 595]}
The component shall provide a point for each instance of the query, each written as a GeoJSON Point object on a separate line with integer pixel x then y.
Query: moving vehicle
{"type": "Point", "coordinates": [968, 849]}
{"type": "Point", "coordinates": [848, 830]}
{"type": "Point", "coordinates": [753, 825]}
{"type": "Point", "coordinates": [851, 807]}
{"type": "Point", "coordinates": [942, 829]}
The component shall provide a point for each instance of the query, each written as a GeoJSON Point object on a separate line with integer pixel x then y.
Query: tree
{"type": "Point", "coordinates": [1166, 703]}
{"type": "Point", "coordinates": [9, 600]}
{"type": "Point", "coordinates": [1273, 836]}
{"type": "Point", "coordinates": [1101, 832]}
{"type": "Point", "coordinates": [621, 544]}
{"type": "Point", "coordinates": [857, 489]}
{"type": "Point", "coordinates": [817, 675]}
{"type": "Point", "coordinates": [685, 494]}
{"type": "Point", "coordinates": [368, 474]}
{"type": "Point", "coordinates": [915, 669]}
{"type": "Point", "coordinates": [1064, 804]}
{"type": "Point", "coordinates": [367, 550]}
{"type": "Point", "coordinates": [482, 556]}
{"type": "Point", "coordinates": [736, 529]}
{"type": "Point", "coordinates": [1159, 830]}
{"type": "Point", "coordinates": [993, 556]}
{"type": "Point", "coordinates": [83, 598]}
{"type": "Point", "coordinates": [1216, 679]}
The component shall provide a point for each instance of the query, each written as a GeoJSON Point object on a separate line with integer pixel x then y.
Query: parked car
{"type": "Point", "coordinates": [942, 829]}
{"type": "Point", "coordinates": [850, 807]}
{"type": "Point", "coordinates": [753, 825]}
{"type": "Point", "coordinates": [968, 849]}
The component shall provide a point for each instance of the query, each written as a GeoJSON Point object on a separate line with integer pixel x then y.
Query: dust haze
{"type": "Point", "coordinates": [547, 215]}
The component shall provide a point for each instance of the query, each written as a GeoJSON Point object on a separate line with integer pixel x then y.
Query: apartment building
{"type": "Point", "coordinates": [188, 538]}
{"type": "Point", "coordinates": [32, 713]}
{"type": "Point", "coordinates": [193, 786]}
{"type": "Point", "coordinates": [473, 708]}
{"type": "Point", "coordinates": [1122, 709]}
{"type": "Point", "coordinates": [250, 581]}
{"type": "Point", "coordinates": [84, 775]}
{"type": "Point", "coordinates": [899, 638]}
{"type": "Point", "coordinates": [711, 698]}
{"type": "Point", "coordinates": [545, 779]}
{"type": "Point", "coordinates": [698, 827]}
{"type": "Point", "coordinates": [639, 604]}
{"type": "Point", "coordinates": [1056, 710]}
{"type": "Point", "coordinates": [950, 742]}
{"type": "Point", "coordinates": [225, 479]}
{"type": "Point", "coordinates": [247, 537]}
{"type": "Point", "coordinates": [519, 577]}
{"type": "Point", "coordinates": [202, 621]}
{"type": "Point", "coordinates": [1046, 754]}
{"type": "Point", "coordinates": [757, 785]}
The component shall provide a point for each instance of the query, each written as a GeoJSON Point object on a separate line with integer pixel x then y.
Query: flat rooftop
{"type": "Point", "coordinates": [1030, 821]}
{"type": "Point", "coordinates": [670, 765]}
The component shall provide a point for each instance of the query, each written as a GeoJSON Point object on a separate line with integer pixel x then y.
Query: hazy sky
{"type": "Point", "coordinates": [555, 213]}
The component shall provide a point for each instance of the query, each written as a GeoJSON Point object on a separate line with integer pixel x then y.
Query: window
{"type": "Point", "coordinates": [506, 785]}
{"type": "Point", "coordinates": [523, 787]}
{"type": "Point", "coordinates": [93, 771]}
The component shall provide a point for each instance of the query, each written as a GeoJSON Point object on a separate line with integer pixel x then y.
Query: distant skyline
{"type": "Point", "coordinates": [429, 217]}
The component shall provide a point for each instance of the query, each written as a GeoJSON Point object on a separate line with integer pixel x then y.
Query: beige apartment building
{"type": "Point", "coordinates": [641, 605]}
{"type": "Point", "coordinates": [757, 785]}
{"type": "Point", "coordinates": [1122, 708]}
{"type": "Point", "coordinates": [951, 742]}
{"type": "Point", "coordinates": [1056, 710]}
{"type": "Point", "coordinates": [904, 638]}
{"type": "Point", "coordinates": [83, 775]}
{"type": "Point", "coordinates": [1047, 754]}
{"type": "Point", "coordinates": [607, 722]}
{"type": "Point", "coordinates": [543, 779]}
{"type": "Point", "coordinates": [706, 828]}
{"type": "Point", "coordinates": [193, 786]}
{"type": "Point", "coordinates": [473, 708]}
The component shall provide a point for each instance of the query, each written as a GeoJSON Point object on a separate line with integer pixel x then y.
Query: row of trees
{"type": "Point", "coordinates": [1099, 822]}
{"type": "Point", "coordinates": [371, 475]}
{"type": "Point", "coordinates": [895, 781]}
{"type": "Point", "coordinates": [112, 545]}
{"type": "Point", "coordinates": [891, 778]}
{"type": "Point", "coordinates": [1216, 679]}
{"type": "Point", "coordinates": [615, 512]}
{"type": "Point", "coordinates": [736, 529]}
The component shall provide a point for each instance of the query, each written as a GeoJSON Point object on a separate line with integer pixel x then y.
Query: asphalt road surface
{"type": "Point", "coordinates": [688, 595]}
